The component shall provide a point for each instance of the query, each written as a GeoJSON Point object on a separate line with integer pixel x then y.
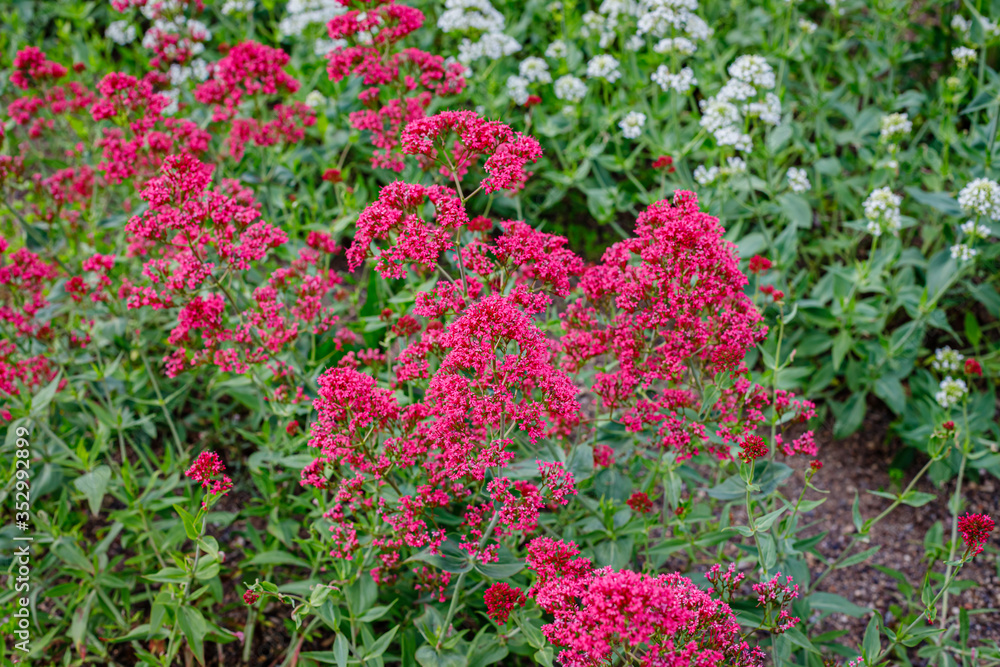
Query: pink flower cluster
{"type": "Point", "coordinates": [507, 152]}
{"type": "Point", "coordinates": [666, 620]}
{"type": "Point", "coordinates": [501, 599]}
{"type": "Point", "coordinates": [776, 596]}
{"type": "Point", "coordinates": [399, 84]}
{"type": "Point", "coordinates": [24, 279]}
{"type": "Point", "coordinates": [209, 472]}
{"type": "Point", "coordinates": [197, 239]}
{"type": "Point", "coordinates": [975, 530]}
{"type": "Point", "coordinates": [252, 71]}
{"type": "Point", "coordinates": [644, 307]}
{"type": "Point", "coordinates": [144, 137]}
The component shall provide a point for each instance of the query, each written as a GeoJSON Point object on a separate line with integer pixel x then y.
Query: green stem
{"type": "Point", "coordinates": [956, 508]}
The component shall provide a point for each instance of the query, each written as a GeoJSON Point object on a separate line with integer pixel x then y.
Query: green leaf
{"type": "Point", "coordinates": [939, 201]}
{"type": "Point", "coordinates": [858, 558]}
{"type": "Point", "coordinates": [499, 570]}
{"type": "Point", "coordinates": [768, 553]}
{"type": "Point", "coordinates": [94, 485]}
{"type": "Point", "coordinates": [381, 644]}
{"type": "Point", "coordinates": [871, 646]}
{"type": "Point", "coordinates": [168, 575]}
{"type": "Point", "coordinates": [849, 414]}
{"type": "Point", "coordinates": [187, 519]}
{"type": "Point", "coordinates": [856, 512]}
{"type": "Point", "coordinates": [833, 603]}
{"type": "Point", "coordinates": [918, 498]}
{"type": "Point", "coordinates": [69, 553]}
{"type": "Point", "coordinates": [427, 657]}
{"type": "Point", "coordinates": [193, 625]}
{"type": "Point", "coordinates": [765, 522]}
{"type": "Point", "coordinates": [340, 650]}
{"type": "Point", "coordinates": [41, 400]}
{"type": "Point", "coordinates": [276, 557]}
{"type": "Point", "coordinates": [841, 346]}
{"type": "Point", "coordinates": [890, 390]}
{"type": "Point", "coordinates": [375, 613]}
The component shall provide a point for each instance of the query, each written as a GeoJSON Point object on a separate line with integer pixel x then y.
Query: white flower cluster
{"type": "Point", "coordinates": [300, 14]}
{"type": "Point", "coordinates": [798, 180]}
{"type": "Point", "coordinates": [951, 392]}
{"type": "Point", "coordinates": [535, 70]}
{"type": "Point", "coordinates": [754, 70]}
{"type": "Point", "coordinates": [947, 360]}
{"type": "Point", "coordinates": [631, 125]}
{"type": "Point", "coordinates": [982, 197]}
{"type": "Point", "coordinates": [963, 252]}
{"type": "Point", "coordinates": [179, 74]}
{"type": "Point", "coordinates": [323, 46]}
{"type": "Point", "coordinates": [315, 99]}
{"type": "Point", "coordinates": [960, 25]}
{"type": "Point", "coordinates": [570, 89]}
{"type": "Point", "coordinates": [517, 89]}
{"type": "Point", "coordinates": [682, 82]}
{"type": "Point", "coordinates": [230, 7]}
{"type": "Point", "coordinates": [975, 230]}
{"type": "Point", "coordinates": [807, 26]}
{"type": "Point", "coordinates": [882, 212]}
{"type": "Point", "coordinates": [963, 55]}
{"type": "Point", "coordinates": [557, 49]}
{"type": "Point", "coordinates": [707, 175]}
{"type": "Point", "coordinates": [120, 32]}
{"type": "Point", "coordinates": [895, 126]}
{"type": "Point", "coordinates": [492, 46]}
{"type": "Point", "coordinates": [468, 15]}
{"type": "Point", "coordinates": [604, 67]}
{"type": "Point", "coordinates": [743, 96]}
{"type": "Point", "coordinates": [672, 22]}
{"type": "Point", "coordinates": [662, 18]}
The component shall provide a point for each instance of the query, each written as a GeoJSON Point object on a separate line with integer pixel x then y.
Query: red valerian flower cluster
{"type": "Point", "coordinates": [252, 71]}
{"type": "Point", "coordinates": [197, 239]}
{"type": "Point", "coordinates": [643, 307]}
{"type": "Point", "coordinates": [752, 448]}
{"type": "Point", "coordinates": [776, 596]}
{"type": "Point", "coordinates": [596, 613]}
{"type": "Point", "coordinates": [975, 529]}
{"type": "Point", "coordinates": [477, 379]}
{"type": "Point", "coordinates": [507, 152]}
{"type": "Point", "coordinates": [24, 279]}
{"type": "Point", "coordinates": [501, 599]}
{"type": "Point", "coordinates": [209, 471]}
{"type": "Point", "coordinates": [399, 84]}
{"type": "Point", "coordinates": [640, 502]}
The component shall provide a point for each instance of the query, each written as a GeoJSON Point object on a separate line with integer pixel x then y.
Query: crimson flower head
{"type": "Point", "coordinates": [664, 162]}
{"type": "Point", "coordinates": [640, 502]}
{"type": "Point", "coordinates": [604, 456]}
{"type": "Point", "coordinates": [752, 448]}
{"type": "Point", "coordinates": [292, 428]}
{"type": "Point", "coordinates": [816, 466]}
{"type": "Point", "coordinates": [759, 265]}
{"type": "Point", "coordinates": [501, 599]}
{"type": "Point", "coordinates": [972, 367]}
{"type": "Point", "coordinates": [204, 470]}
{"type": "Point", "coordinates": [332, 176]}
{"type": "Point", "coordinates": [533, 100]}
{"type": "Point", "coordinates": [975, 529]}
{"type": "Point", "coordinates": [251, 597]}
{"type": "Point", "coordinates": [948, 425]}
